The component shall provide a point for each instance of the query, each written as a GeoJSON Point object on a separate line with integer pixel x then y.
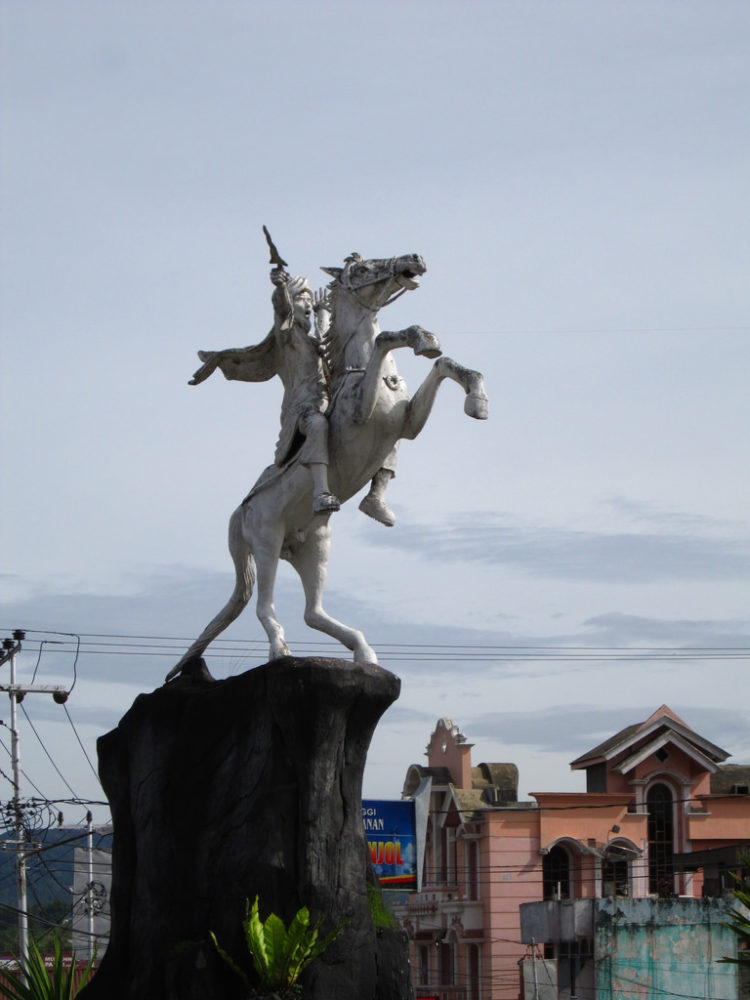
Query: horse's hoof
{"type": "Point", "coordinates": [279, 654]}
{"type": "Point", "coordinates": [477, 407]}
{"type": "Point", "coordinates": [368, 656]}
{"type": "Point", "coordinates": [425, 344]}
{"type": "Point", "coordinates": [191, 671]}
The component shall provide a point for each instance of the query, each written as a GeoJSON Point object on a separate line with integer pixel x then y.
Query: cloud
{"type": "Point", "coordinates": [639, 511]}
{"type": "Point", "coordinates": [574, 729]}
{"type": "Point", "coordinates": [619, 629]}
{"type": "Point", "coordinates": [564, 554]}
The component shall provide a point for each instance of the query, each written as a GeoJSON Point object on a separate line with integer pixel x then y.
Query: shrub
{"type": "Point", "coordinates": [36, 982]}
{"type": "Point", "coordinates": [279, 955]}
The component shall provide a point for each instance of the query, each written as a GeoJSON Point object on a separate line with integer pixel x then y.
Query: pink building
{"type": "Point", "coordinates": [662, 816]}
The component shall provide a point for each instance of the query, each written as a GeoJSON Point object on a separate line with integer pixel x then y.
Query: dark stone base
{"type": "Point", "coordinates": [224, 790]}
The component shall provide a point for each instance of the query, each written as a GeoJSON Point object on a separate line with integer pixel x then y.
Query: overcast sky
{"type": "Point", "coordinates": [576, 177]}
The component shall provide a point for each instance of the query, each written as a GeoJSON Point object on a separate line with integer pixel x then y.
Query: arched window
{"type": "Point", "coordinates": [615, 874]}
{"type": "Point", "coordinates": [556, 873]}
{"type": "Point", "coordinates": [660, 807]}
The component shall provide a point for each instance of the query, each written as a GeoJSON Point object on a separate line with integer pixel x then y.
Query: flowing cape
{"type": "Point", "coordinates": [256, 363]}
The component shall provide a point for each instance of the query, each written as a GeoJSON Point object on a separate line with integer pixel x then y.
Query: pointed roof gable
{"type": "Point", "coordinates": [662, 726]}
{"type": "Point", "coordinates": [660, 713]}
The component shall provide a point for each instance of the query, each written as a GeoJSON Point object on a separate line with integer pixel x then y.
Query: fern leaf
{"type": "Point", "coordinates": [230, 962]}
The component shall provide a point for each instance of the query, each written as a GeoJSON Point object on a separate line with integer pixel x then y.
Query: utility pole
{"type": "Point", "coordinates": [90, 902]}
{"type": "Point", "coordinates": [11, 648]}
{"type": "Point", "coordinates": [533, 968]}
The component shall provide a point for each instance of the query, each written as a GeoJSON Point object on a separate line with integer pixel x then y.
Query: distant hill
{"type": "Point", "coordinates": [49, 873]}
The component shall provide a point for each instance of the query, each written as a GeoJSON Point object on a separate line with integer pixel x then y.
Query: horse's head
{"type": "Point", "coordinates": [374, 283]}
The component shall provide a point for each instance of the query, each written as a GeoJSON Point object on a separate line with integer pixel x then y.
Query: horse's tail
{"type": "Point", "coordinates": [244, 565]}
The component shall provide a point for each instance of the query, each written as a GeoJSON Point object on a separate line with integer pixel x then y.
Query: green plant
{"type": "Point", "coordinates": [36, 982]}
{"type": "Point", "coordinates": [279, 955]}
{"type": "Point", "coordinates": [738, 920]}
{"type": "Point", "coordinates": [381, 914]}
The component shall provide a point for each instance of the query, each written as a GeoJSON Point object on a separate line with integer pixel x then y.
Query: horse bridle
{"type": "Point", "coordinates": [353, 285]}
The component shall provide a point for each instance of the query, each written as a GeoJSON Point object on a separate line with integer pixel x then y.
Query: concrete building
{"type": "Point", "coordinates": [662, 819]}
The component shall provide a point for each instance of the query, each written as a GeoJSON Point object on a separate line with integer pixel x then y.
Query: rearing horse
{"type": "Point", "coordinates": [370, 412]}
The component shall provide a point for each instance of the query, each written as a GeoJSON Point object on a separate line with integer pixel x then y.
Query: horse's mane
{"type": "Point", "coordinates": [334, 345]}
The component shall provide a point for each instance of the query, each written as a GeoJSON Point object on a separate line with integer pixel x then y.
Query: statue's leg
{"type": "Point", "coordinates": [373, 504]}
{"type": "Point", "coordinates": [267, 553]}
{"type": "Point", "coordinates": [310, 560]}
{"type": "Point", "coordinates": [420, 405]}
{"type": "Point", "coordinates": [314, 456]}
{"type": "Point", "coordinates": [242, 556]}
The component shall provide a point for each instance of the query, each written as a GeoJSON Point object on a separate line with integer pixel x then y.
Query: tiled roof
{"type": "Point", "coordinates": [662, 719]}
{"type": "Point", "coordinates": [440, 775]}
{"type": "Point", "coordinates": [498, 775]}
{"type": "Point", "coordinates": [728, 776]}
{"type": "Point", "coordinates": [603, 748]}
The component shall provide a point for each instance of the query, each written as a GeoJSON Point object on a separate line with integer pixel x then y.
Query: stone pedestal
{"type": "Point", "coordinates": [223, 790]}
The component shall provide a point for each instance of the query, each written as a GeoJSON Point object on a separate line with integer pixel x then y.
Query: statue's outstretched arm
{"type": "Point", "coordinates": [256, 363]}
{"type": "Point", "coordinates": [210, 361]}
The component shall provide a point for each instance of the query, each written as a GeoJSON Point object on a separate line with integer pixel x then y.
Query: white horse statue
{"type": "Point", "coordinates": [370, 412]}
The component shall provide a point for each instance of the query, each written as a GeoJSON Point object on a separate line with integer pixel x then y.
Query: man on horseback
{"type": "Point", "coordinates": [294, 351]}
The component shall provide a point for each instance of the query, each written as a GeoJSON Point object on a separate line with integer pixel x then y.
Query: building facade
{"type": "Point", "coordinates": [662, 818]}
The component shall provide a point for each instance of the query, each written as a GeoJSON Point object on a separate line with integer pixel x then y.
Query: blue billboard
{"type": "Point", "coordinates": [391, 839]}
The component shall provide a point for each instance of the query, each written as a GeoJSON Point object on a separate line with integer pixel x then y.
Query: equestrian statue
{"type": "Point", "coordinates": [343, 412]}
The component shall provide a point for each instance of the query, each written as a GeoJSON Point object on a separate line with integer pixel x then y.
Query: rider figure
{"type": "Point", "coordinates": [294, 352]}
{"type": "Point", "coordinates": [299, 365]}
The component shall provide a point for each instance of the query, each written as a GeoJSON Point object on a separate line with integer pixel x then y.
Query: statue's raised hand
{"type": "Point", "coordinates": [322, 310]}
{"type": "Point", "coordinates": [321, 300]}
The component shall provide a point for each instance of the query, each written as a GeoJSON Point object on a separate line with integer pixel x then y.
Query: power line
{"type": "Point", "coordinates": [80, 744]}
{"type": "Point", "coordinates": [115, 644]}
{"type": "Point", "coordinates": [49, 755]}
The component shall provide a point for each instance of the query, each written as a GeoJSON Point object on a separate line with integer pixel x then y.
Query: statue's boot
{"type": "Point", "coordinates": [375, 507]}
{"type": "Point", "coordinates": [325, 503]}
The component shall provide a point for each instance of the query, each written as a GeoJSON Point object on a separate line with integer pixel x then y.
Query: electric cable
{"type": "Point", "coordinates": [49, 755]}
{"type": "Point", "coordinates": [80, 744]}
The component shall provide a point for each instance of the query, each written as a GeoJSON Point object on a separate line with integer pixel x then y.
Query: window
{"type": "Point", "coordinates": [472, 869]}
{"type": "Point", "coordinates": [660, 841]}
{"type": "Point", "coordinates": [615, 875]}
{"type": "Point", "coordinates": [444, 855]}
{"type": "Point", "coordinates": [556, 873]}
{"type": "Point", "coordinates": [447, 964]}
{"type": "Point", "coordinates": [571, 957]}
{"type": "Point", "coordinates": [429, 856]}
{"type": "Point", "coordinates": [473, 972]}
{"type": "Point", "coordinates": [424, 965]}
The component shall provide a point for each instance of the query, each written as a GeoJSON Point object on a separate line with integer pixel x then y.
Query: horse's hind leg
{"type": "Point", "coordinates": [243, 589]}
{"type": "Point", "coordinates": [310, 560]}
{"type": "Point", "coordinates": [267, 554]}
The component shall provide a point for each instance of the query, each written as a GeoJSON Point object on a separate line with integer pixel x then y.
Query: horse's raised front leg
{"type": "Point", "coordinates": [267, 554]}
{"type": "Point", "coordinates": [310, 560]}
{"type": "Point", "coordinates": [422, 342]}
{"type": "Point", "coordinates": [420, 405]}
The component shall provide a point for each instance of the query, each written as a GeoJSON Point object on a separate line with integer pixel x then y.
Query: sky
{"type": "Point", "coordinates": [574, 175]}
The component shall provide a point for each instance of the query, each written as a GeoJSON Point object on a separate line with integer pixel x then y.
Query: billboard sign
{"type": "Point", "coordinates": [391, 839]}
